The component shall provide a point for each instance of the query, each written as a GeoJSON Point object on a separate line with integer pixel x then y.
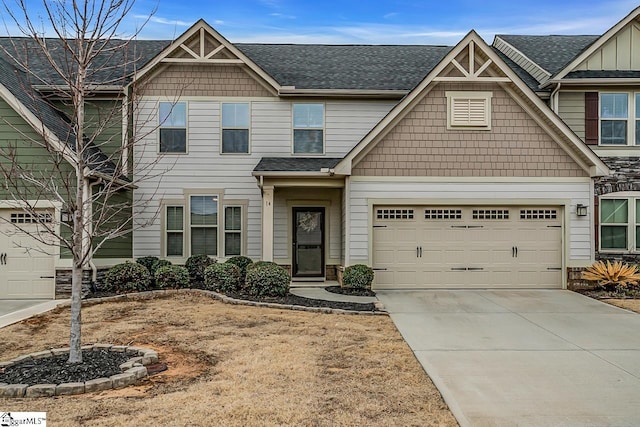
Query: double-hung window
{"type": "Point", "coordinates": [235, 127]}
{"type": "Point", "coordinates": [203, 221]}
{"type": "Point", "coordinates": [637, 118]}
{"type": "Point", "coordinates": [173, 127]}
{"type": "Point", "coordinates": [614, 116]}
{"type": "Point", "coordinates": [175, 230]}
{"type": "Point", "coordinates": [308, 128]}
{"type": "Point", "coordinates": [620, 224]}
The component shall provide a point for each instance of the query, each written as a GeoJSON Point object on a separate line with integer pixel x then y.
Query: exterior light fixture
{"type": "Point", "coordinates": [581, 210]}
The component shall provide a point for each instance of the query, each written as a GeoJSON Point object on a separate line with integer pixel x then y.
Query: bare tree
{"type": "Point", "coordinates": [59, 77]}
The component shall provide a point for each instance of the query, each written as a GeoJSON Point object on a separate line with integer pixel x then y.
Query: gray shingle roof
{"type": "Point", "coordinates": [295, 164]}
{"type": "Point", "coordinates": [118, 60]}
{"type": "Point", "coordinates": [595, 74]}
{"type": "Point", "coordinates": [379, 67]}
{"type": "Point", "coordinates": [523, 74]}
{"type": "Point", "coordinates": [552, 53]}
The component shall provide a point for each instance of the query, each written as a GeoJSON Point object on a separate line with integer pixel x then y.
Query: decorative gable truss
{"type": "Point", "coordinates": [475, 65]}
{"type": "Point", "coordinates": [202, 45]}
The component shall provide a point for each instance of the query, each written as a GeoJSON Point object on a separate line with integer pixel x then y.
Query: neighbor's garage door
{"type": "Point", "coordinates": [479, 246]}
{"type": "Point", "coordinates": [25, 271]}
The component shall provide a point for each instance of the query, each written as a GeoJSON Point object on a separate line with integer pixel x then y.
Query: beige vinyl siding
{"type": "Point", "coordinates": [366, 191]}
{"type": "Point", "coordinates": [203, 167]}
{"type": "Point", "coordinates": [619, 53]}
{"type": "Point", "coordinates": [571, 111]}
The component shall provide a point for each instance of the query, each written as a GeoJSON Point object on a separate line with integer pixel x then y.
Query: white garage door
{"type": "Point", "coordinates": [467, 247]}
{"type": "Point", "coordinates": [25, 271]}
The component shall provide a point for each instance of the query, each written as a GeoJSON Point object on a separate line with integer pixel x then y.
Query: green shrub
{"type": "Point", "coordinates": [172, 277]}
{"type": "Point", "coordinates": [223, 277]}
{"type": "Point", "coordinates": [357, 276]}
{"type": "Point", "coordinates": [242, 262]}
{"type": "Point", "coordinates": [267, 279]}
{"type": "Point", "coordinates": [156, 265]}
{"type": "Point", "coordinates": [148, 262]}
{"type": "Point", "coordinates": [127, 277]}
{"type": "Point", "coordinates": [196, 265]}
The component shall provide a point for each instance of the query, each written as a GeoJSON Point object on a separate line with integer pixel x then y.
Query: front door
{"type": "Point", "coordinates": [308, 242]}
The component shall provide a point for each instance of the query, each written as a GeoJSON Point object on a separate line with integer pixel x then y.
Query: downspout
{"type": "Point", "coordinates": [554, 98]}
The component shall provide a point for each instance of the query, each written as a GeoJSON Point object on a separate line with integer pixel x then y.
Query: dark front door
{"type": "Point", "coordinates": [308, 242]}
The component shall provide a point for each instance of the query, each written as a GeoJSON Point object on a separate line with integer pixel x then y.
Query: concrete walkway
{"type": "Point", "coordinates": [13, 311]}
{"type": "Point", "coordinates": [320, 293]}
{"type": "Point", "coordinates": [524, 358]}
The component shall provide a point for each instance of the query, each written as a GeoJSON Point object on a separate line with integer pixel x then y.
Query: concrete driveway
{"type": "Point", "coordinates": [12, 311]}
{"type": "Point", "coordinates": [524, 358]}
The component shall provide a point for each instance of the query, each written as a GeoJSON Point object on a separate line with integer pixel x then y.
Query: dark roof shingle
{"type": "Point", "coordinates": [295, 164]}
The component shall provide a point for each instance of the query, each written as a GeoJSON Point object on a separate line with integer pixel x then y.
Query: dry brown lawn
{"type": "Point", "coordinates": [629, 304]}
{"type": "Point", "coordinates": [239, 366]}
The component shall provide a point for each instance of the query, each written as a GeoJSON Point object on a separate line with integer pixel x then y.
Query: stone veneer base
{"type": "Point", "coordinates": [132, 371]}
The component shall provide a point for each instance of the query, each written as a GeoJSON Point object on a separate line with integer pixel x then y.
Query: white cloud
{"type": "Point", "coordinates": [164, 21]}
{"type": "Point", "coordinates": [282, 15]}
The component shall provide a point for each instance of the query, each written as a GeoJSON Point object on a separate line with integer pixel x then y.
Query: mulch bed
{"type": "Point", "coordinates": [291, 299]}
{"type": "Point", "coordinates": [606, 294]}
{"type": "Point", "coordinates": [350, 291]}
{"type": "Point", "coordinates": [56, 370]}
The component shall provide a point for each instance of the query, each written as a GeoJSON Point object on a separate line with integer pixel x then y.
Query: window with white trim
{"type": "Point", "coordinates": [620, 224]}
{"type": "Point", "coordinates": [235, 128]}
{"type": "Point", "coordinates": [232, 230]}
{"type": "Point", "coordinates": [469, 110]}
{"type": "Point", "coordinates": [308, 128]}
{"type": "Point", "coordinates": [619, 118]}
{"type": "Point", "coordinates": [175, 231]}
{"type": "Point", "coordinates": [173, 127]}
{"type": "Point", "coordinates": [203, 224]}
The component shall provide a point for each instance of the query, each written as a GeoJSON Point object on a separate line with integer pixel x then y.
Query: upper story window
{"type": "Point", "coordinates": [235, 128]}
{"type": "Point", "coordinates": [620, 224]}
{"type": "Point", "coordinates": [173, 127]}
{"type": "Point", "coordinates": [308, 128]}
{"type": "Point", "coordinates": [619, 118]}
{"type": "Point", "coordinates": [469, 110]}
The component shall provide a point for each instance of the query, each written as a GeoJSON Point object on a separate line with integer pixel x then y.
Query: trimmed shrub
{"type": "Point", "coordinates": [223, 277]}
{"type": "Point", "coordinates": [196, 265]}
{"type": "Point", "coordinates": [357, 276]}
{"type": "Point", "coordinates": [148, 262]}
{"type": "Point", "coordinates": [156, 265]}
{"type": "Point", "coordinates": [242, 262]}
{"type": "Point", "coordinates": [172, 277]}
{"type": "Point", "coordinates": [127, 277]}
{"type": "Point", "coordinates": [267, 279]}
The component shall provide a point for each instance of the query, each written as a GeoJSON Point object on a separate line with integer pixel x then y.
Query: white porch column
{"type": "Point", "coordinates": [267, 223]}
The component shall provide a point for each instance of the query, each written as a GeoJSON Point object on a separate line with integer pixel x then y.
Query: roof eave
{"type": "Point", "coordinates": [289, 91]}
{"type": "Point", "coordinates": [616, 81]}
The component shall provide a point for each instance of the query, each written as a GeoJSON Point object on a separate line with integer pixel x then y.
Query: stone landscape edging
{"type": "Point", "coordinates": [228, 300]}
{"type": "Point", "coordinates": [132, 371]}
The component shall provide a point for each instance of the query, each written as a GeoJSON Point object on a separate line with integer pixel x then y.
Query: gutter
{"type": "Point", "coordinates": [618, 81]}
{"type": "Point", "coordinates": [358, 93]}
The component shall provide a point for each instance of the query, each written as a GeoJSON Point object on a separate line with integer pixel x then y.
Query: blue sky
{"type": "Point", "coordinates": [372, 21]}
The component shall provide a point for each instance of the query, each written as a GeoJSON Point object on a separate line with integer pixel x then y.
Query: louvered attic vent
{"type": "Point", "coordinates": [469, 110]}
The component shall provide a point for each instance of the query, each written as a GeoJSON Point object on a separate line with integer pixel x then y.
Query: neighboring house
{"type": "Point", "coordinates": [593, 84]}
{"type": "Point", "coordinates": [437, 166]}
{"type": "Point", "coordinates": [29, 107]}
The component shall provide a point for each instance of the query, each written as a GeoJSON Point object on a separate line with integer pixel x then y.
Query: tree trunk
{"type": "Point", "coordinates": [75, 351]}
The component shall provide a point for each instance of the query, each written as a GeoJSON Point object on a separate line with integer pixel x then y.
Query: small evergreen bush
{"type": "Point", "coordinates": [267, 279]}
{"type": "Point", "coordinates": [172, 277]}
{"type": "Point", "coordinates": [196, 265]}
{"type": "Point", "coordinates": [357, 276]}
{"type": "Point", "coordinates": [223, 277]}
{"type": "Point", "coordinates": [148, 262]}
{"type": "Point", "coordinates": [156, 265]}
{"type": "Point", "coordinates": [242, 262]}
{"type": "Point", "coordinates": [127, 277]}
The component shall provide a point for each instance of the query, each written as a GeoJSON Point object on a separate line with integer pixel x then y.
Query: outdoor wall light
{"type": "Point", "coordinates": [66, 216]}
{"type": "Point", "coordinates": [581, 210]}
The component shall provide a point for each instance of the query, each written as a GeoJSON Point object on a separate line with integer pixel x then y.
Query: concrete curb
{"type": "Point", "coordinates": [25, 313]}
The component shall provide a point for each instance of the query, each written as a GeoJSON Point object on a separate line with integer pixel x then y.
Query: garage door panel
{"type": "Point", "coordinates": [481, 247]}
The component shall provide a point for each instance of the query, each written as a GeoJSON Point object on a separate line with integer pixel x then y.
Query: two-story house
{"type": "Point", "coordinates": [438, 166]}
{"type": "Point", "coordinates": [593, 84]}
